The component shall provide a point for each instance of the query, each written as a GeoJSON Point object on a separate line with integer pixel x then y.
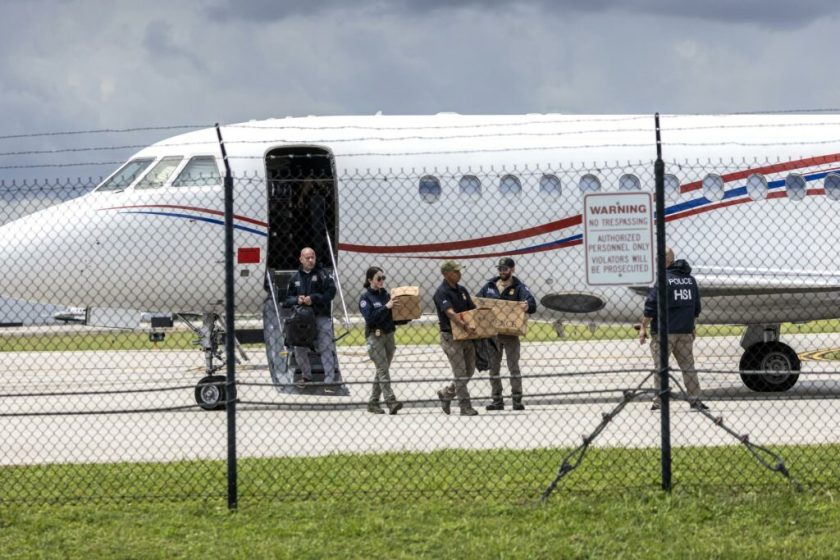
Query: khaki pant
{"type": "Point", "coordinates": [461, 355]}
{"type": "Point", "coordinates": [381, 351]}
{"type": "Point", "coordinates": [510, 346]}
{"type": "Point", "coordinates": [681, 346]}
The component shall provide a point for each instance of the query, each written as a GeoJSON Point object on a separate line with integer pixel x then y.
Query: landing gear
{"type": "Point", "coordinates": [210, 392]}
{"type": "Point", "coordinates": [768, 365]}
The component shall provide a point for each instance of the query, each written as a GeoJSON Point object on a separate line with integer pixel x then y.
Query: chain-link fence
{"type": "Point", "coordinates": [113, 354]}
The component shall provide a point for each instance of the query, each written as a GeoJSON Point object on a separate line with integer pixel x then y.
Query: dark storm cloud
{"type": "Point", "coordinates": [260, 10]}
{"type": "Point", "coordinates": [158, 41]}
{"type": "Point", "coordinates": [771, 13]}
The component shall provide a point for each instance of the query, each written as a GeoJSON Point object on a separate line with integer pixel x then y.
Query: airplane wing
{"type": "Point", "coordinates": [752, 295]}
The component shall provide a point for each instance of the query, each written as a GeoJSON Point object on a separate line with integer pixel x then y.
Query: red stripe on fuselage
{"type": "Point", "coordinates": [504, 253]}
{"type": "Point", "coordinates": [776, 168]}
{"type": "Point", "coordinates": [466, 244]}
{"type": "Point", "coordinates": [193, 208]}
{"type": "Point", "coordinates": [710, 207]}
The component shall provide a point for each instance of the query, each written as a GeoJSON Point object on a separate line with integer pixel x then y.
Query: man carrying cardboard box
{"type": "Point", "coordinates": [508, 287]}
{"type": "Point", "coordinates": [451, 299]}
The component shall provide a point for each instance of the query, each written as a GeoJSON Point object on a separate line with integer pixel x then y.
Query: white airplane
{"type": "Point", "coordinates": [751, 204]}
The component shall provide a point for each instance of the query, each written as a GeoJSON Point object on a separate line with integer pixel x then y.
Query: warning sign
{"type": "Point", "coordinates": [618, 238]}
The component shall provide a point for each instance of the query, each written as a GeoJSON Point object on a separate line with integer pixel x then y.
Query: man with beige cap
{"type": "Point", "coordinates": [451, 299]}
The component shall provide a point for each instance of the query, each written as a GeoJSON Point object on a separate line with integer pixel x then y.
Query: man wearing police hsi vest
{"type": "Point", "coordinates": [508, 287]}
{"type": "Point", "coordinates": [683, 309]}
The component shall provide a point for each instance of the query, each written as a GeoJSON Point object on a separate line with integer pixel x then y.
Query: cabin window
{"type": "Point", "coordinates": [589, 183]}
{"type": "Point", "coordinates": [429, 189]}
{"type": "Point", "coordinates": [200, 171]}
{"type": "Point", "coordinates": [125, 175]}
{"type": "Point", "coordinates": [713, 188]}
{"type": "Point", "coordinates": [470, 185]}
{"type": "Point", "coordinates": [832, 186]}
{"type": "Point", "coordinates": [671, 187]}
{"type": "Point", "coordinates": [160, 173]}
{"type": "Point", "coordinates": [757, 187]}
{"type": "Point", "coordinates": [510, 185]}
{"type": "Point", "coordinates": [550, 185]}
{"type": "Point", "coordinates": [629, 182]}
{"type": "Point", "coordinates": [795, 185]}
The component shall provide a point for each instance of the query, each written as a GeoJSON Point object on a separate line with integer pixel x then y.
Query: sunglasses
{"type": "Point", "coordinates": [379, 278]}
{"type": "Point", "coordinates": [503, 268]}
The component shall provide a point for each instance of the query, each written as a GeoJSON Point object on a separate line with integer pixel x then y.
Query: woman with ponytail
{"type": "Point", "coordinates": [375, 304]}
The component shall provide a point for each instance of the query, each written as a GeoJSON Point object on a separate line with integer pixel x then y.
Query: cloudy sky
{"type": "Point", "coordinates": [71, 65]}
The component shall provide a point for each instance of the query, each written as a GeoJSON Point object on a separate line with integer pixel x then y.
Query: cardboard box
{"type": "Point", "coordinates": [408, 298]}
{"type": "Point", "coordinates": [482, 318]}
{"type": "Point", "coordinates": [511, 319]}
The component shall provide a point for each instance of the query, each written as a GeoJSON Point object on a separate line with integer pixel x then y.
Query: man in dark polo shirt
{"type": "Point", "coordinates": [451, 299]}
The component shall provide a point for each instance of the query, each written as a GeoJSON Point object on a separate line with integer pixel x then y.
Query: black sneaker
{"type": "Point", "coordinates": [469, 412]}
{"type": "Point", "coordinates": [518, 406]}
{"type": "Point", "coordinates": [445, 402]}
{"type": "Point", "coordinates": [394, 407]}
{"type": "Point", "coordinates": [330, 390]}
{"type": "Point", "coordinates": [655, 405]}
{"type": "Point", "coordinates": [375, 409]}
{"type": "Point", "coordinates": [495, 405]}
{"type": "Point", "coordinates": [697, 405]}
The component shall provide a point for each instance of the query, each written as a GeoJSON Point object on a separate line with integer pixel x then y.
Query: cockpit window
{"type": "Point", "coordinates": [159, 174]}
{"type": "Point", "coordinates": [126, 175]}
{"type": "Point", "coordinates": [201, 171]}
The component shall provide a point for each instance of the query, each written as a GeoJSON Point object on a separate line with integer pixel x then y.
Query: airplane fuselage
{"type": "Point", "coordinates": [406, 199]}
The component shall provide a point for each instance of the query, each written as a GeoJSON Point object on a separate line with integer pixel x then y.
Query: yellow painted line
{"type": "Point", "coordinates": [819, 355]}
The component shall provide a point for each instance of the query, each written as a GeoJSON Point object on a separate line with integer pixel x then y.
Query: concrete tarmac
{"type": "Point", "coordinates": [113, 406]}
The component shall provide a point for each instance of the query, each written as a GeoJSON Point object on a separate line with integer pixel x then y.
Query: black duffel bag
{"type": "Point", "coordinates": [485, 349]}
{"type": "Point", "coordinates": [300, 328]}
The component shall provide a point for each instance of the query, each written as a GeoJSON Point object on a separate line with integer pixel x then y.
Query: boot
{"type": "Point", "coordinates": [517, 403]}
{"type": "Point", "coordinates": [466, 408]}
{"type": "Point", "coordinates": [496, 404]}
{"type": "Point", "coordinates": [393, 407]}
{"type": "Point", "coordinates": [445, 401]}
{"type": "Point", "coordinates": [375, 409]}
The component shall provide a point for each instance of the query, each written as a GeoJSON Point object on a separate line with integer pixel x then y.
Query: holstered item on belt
{"type": "Point", "coordinates": [376, 332]}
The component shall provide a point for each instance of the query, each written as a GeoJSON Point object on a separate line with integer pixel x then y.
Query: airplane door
{"type": "Point", "coordinates": [302, 206]}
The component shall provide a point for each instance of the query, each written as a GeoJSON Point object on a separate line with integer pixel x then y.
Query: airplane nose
{"type": "Point", "coordinates": [41, 255]}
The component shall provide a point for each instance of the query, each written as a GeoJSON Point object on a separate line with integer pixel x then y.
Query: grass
{"type": "Point", "coordinates": [636, 525]}
{"type": "Point", "coordinates": [420, 333]}
{"type": "Point", "coordinates": [406, 506]}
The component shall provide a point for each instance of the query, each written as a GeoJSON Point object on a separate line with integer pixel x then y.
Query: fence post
{"type": "Point", "coordinates": [230, 357]}
{"type": "Point", "coordinates": [662, 312]}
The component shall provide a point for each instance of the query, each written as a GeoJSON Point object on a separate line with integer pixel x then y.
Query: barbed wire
{"type": "Point", "coordinates": [50, 165]}
{"type": "Point", "coordinates": [102, 131]}
{"type": "Point", "coordinates": [541, 121]}
{"type": "Point", "coordinates": [617, 118]}
{"type": "Point", "coordinates": [327, 140]}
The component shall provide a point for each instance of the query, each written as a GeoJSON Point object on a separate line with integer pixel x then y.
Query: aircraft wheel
{"type": "Point", "coordinates": [779, 362]}
{"type": "Point", "coordinates": [210, 392]}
